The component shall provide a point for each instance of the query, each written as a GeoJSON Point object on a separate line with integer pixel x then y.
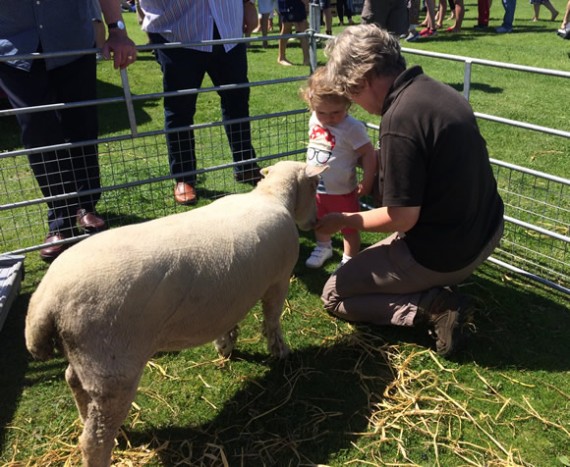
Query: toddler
{"type": "Point", "coordinates": [341, 142]}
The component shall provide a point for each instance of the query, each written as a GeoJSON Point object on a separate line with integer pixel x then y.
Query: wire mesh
{"type": "Point", "coordinates": [537, 231]}
{"type": "Point", "coordinates": [136, 180]}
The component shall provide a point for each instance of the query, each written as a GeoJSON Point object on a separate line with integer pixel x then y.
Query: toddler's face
{"type": "Point", "coordinates": [330, 113]}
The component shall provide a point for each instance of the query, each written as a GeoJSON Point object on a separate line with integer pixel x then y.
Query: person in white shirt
{"type": "Point", "coordinates": [185, 68]}
{"type": "Point", "coordinates": [340, 142]}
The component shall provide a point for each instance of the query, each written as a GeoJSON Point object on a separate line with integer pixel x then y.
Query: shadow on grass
{"type": "Point", "coordinates": [14, 364]}
{"type": "Point", "coordinates": [483, 87]}
{"type": "Point", "coordinates": [520, 324]}
{"type": "Point", "coordinates": [302, 411]}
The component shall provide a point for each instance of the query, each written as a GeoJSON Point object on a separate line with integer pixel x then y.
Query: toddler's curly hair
{"type": "Point", "coordinates": [319, 89]}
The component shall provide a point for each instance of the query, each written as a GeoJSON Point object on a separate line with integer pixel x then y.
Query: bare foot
{"type": "Point", "coordinates": [284, 62]}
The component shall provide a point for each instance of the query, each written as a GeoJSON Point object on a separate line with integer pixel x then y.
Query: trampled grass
{"type": "Point", "coordinates": [348, 395]}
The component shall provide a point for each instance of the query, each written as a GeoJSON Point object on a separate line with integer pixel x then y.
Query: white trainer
{"type": "Point", "coordinates": [318, 257]}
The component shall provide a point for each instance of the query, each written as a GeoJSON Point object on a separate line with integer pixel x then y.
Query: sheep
{"type": "Point", "coordinates": [112, 301]}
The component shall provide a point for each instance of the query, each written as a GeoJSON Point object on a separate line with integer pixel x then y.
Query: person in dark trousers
{"type": "Point", "coordinates": [29, 26]}
{"type": "Point", "coordinates": [185, 68]}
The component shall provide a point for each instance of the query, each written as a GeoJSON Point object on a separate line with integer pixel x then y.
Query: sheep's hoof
{"type": "Point", "coordinates": [226, 343]}
{"type": "Point", "coordinates": [278, 348]}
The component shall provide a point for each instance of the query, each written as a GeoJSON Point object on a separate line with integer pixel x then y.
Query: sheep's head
{"type": "Point", "coordinates": [305, 205]}
{"type": "Point", "coordinates": [297, 184]}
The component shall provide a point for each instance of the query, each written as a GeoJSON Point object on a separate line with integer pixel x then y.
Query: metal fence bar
{"type": "Point", "coordinates": [534, 173]}
{"type": "Point", "coordinates": [527, 126]}
{"type": "Point", "coordinates": [529, 275]}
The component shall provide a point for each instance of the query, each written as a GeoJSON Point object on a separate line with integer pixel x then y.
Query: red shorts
{"type": "Point", "coordinates": [338, 203]}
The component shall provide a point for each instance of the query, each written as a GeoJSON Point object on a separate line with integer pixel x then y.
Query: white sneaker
{"type": "Point", "coordinates": [318, 257]}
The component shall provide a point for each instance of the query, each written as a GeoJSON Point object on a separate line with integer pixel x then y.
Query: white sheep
{"type": "Point", "coordinates": [114, 300]}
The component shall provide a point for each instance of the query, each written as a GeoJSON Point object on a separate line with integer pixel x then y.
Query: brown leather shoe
{"type": "Point", "coordinates": [185, 194]}
{"type": "Point", "coordinates": [89, 221]}
{"type": "Point", "coordinates": [51, 252]}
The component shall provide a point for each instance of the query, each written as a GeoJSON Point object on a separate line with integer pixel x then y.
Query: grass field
{"type": "Point", "coordinates": [348, 395]}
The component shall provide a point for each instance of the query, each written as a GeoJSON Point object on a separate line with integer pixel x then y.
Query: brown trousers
{"type": "Point", "coordinates": [385, 285]}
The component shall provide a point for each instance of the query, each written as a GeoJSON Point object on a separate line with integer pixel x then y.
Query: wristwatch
{"type": "Point", "coordinates": [116, 25]}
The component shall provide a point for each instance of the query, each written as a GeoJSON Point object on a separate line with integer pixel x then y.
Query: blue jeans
{"type": "Point", "coordinates": [508, 18]}
{"type": "Point", "coordinates": [185, 68]}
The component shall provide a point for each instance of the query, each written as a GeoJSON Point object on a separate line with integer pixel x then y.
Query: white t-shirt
{"type": "Point", "coordinates": [336, 147]}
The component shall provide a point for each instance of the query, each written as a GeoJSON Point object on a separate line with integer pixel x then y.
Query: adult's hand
{"type": "Point", "coordinates": [120, 48]}
{"type": "Point", "coordinates": [330, 223]}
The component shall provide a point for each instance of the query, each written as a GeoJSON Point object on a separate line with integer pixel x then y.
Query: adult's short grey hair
{"type": "Point", "coordinates": [360, 52]}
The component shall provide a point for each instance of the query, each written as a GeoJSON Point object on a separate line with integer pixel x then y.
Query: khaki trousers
{"type": "Point", "coordinates": [383, 284]}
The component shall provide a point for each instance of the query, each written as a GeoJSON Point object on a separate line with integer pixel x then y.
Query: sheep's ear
{"type": "Point", "coordinates": [264, 171]}
{"type": "Point", "coordinates": [315, 170]}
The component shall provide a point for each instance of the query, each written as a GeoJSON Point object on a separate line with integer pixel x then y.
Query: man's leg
{"type": "Point", "coordinates": [231, 68]}
{"type": "Point", "coordinates": [181, 69]}
{"type": "Point", "coordinates": [73, 83]}
{"type": "Point", "coordinates": [50, 168]}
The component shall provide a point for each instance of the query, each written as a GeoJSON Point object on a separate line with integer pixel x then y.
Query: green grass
{"type": "Point", "coordinates": [348, 395]}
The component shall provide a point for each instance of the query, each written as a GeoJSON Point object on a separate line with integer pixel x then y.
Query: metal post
{"type": "Point", "coordinates": [467, 79]}
{"type": "Point", "coordinates": [314, 27]}
{"type": "Point", "coordinates": [129, 102]}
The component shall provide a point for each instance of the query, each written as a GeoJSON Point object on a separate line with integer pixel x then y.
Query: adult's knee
{"type": "Point", "coordinates": [329, 296]}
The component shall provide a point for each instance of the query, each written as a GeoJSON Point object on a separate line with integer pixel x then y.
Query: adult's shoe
{"type": "Point", "coordinates": [413, 36]}
{"type": "Point", "coordinates": [185, 194]}
{"type": "Point", "coordinates": [447, 319]}
{"type": "Point", "coordinates": [428, 32]}
{"type": "Point", "coordinates": [51, 251]}
{"type": "Point", "coordinates": [89, 221]}
{"type": "Point", "coordinates": [564, 33]}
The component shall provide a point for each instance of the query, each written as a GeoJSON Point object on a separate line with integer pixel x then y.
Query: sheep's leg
{"type": "Point", "coordinates": [273, 301]}
{"type": "Point", "coordinates": [81, 397]}
{"type": "Point", "coordinates": [226, 343]}
{"type": "Point", "coordinates": [106, 412]}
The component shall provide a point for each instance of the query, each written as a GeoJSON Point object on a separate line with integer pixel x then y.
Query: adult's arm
{"type": "Point", "coordinates": [118, 44]}
{"type": "Point", "coordinates": [385, 219]}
